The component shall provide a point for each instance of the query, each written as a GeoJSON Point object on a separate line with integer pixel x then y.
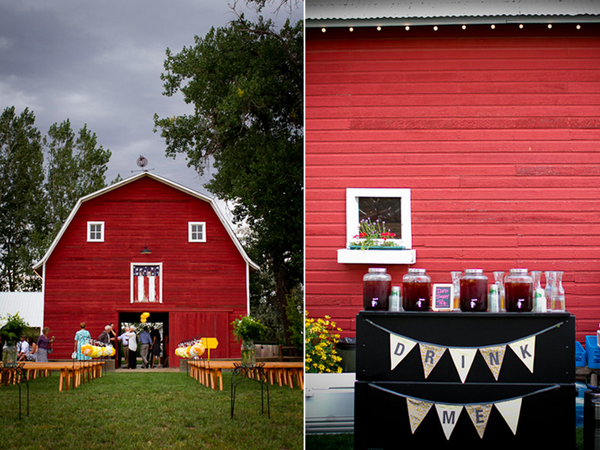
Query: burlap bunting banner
{"type": "Point", "coordinates": [463, 357]}
{"type": "Point", "coordinates": [449, 413]}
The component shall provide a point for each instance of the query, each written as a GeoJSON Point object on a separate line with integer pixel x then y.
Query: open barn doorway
{"type": "Point", "coordinates": [158, 321]}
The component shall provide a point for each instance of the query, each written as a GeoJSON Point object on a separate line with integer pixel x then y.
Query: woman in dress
{"type": "Point", "coordinates": [81, 337]}
{"type": "Point", "coordinates": [44, 343]}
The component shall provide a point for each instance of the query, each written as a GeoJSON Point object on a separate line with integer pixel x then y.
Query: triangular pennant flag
{"type": "Point", "coordinates": [399, 348]}
{"type": "Point", "coordinates": [448, 415]}
{"type": "Point", "coordinates": [510, 410]}
{"type": "Point", "coordinates": [463, 358]}
{"type": "Point", "coordinates": [525, 350]}
{"type": "Point", "coordinates": [479, 415]}
{"type": "Point", "coordinates": [417, 410]}
{"type": "Point", "coordinates": [493, 357]}
{"type": "Point", "coordinates": [430, 355]}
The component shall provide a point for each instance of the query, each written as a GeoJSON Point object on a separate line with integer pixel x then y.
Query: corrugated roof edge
{"type": "Point", "coordinates": [449, 20]}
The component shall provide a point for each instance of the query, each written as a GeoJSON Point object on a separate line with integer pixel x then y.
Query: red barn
{"type": "Point", "coordinates": [146, 244]}
{"type": "Point", "coordinates": [482, 117]}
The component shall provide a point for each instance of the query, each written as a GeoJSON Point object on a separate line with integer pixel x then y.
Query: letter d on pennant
{"type": "Point", "coordinates": [399, 348]}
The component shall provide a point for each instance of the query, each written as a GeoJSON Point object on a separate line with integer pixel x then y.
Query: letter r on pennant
{"type": "Point", "coordinates": [429, 356]}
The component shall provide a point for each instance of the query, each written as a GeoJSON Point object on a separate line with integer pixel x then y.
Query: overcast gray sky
{"type": "Point", "coordinates": [99, 62]}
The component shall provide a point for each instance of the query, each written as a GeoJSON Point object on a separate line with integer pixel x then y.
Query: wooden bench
{"type": "Point", "coordinates": [210, 373]}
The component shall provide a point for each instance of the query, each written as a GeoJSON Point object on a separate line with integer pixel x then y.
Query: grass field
{"type": "Point", "coordinates": [149, 410]}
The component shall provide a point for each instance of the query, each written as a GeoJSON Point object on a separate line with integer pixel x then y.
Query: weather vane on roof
{"type": "Point", "coordinates": [141, 162]}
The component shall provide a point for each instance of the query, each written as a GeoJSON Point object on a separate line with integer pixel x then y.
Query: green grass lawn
{"type": "Point", "coordinates": [149, 410]}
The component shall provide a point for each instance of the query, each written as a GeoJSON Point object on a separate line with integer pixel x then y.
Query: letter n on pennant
{"type": "Point", "coordinates": [494, 356]}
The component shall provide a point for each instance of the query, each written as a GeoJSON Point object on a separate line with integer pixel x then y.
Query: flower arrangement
{"type": "Point", "coordinates": [320, 340]}
{"type": "Point", "coordinates": [247, 328]}
{"type": "Point", "coordinates": [12, 327]}
{"type": "Point", "coordinates": [373, 234]}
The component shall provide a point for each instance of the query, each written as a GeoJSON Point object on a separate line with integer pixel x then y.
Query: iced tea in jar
{"type": "Point", "coordinates": [474, 291]}
{"type": "Point", "coordinates": [416, 290]}
{"type": "Point", "coordinates": [377, 287]}
{"type": "Point", "coordinates": [519, 291]}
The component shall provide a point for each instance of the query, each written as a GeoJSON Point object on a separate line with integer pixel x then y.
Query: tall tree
{"type": "Point", "coordinates": [76, 167]}
{"type": "Point", "coordinates": [36, 197]}
{"type": "Point", "coordinates": [22, 221]}
{"type": "Point", "coordinates": [246, 84]}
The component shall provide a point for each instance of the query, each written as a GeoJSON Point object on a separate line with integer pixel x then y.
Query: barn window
{"type": "Point", "coordinates": [197, 232]}
{"type": "Point", "coordinates": [391, 206]}
{"type": "Point", "coordinates": [146, 283]}
{"type": "Point", "coordinates": [95, 232]}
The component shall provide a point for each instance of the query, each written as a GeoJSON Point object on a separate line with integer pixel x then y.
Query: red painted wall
{"type": "Point", "coordinates": [496, 132]}
{"type": "Point", "coordinates": [90, 282]}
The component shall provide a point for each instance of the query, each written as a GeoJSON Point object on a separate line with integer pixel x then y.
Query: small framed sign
{"type": "Point", "coordinates": [443, 296]}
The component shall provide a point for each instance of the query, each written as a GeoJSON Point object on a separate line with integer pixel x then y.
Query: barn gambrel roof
{"type": "Point", "coordinates": [38, 267]}
{"type": "Point", "coordinates": [331, 13]}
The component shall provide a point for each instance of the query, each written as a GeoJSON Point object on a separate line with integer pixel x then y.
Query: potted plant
{"type": "Point", "coordinates": [248, 329]}
{"type": "Point", "coordinates": [373, 234]}
{"type": "Point", "coordinates": [11, 330]}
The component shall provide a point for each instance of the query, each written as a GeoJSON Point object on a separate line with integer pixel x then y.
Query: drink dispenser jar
{"type": "Point", "coordinates": [416, 290]}
{"type": "Point", "coordinates": [377, 287]}
{"type": "Point", "coordinates": [474, 291]}
{"type": "Point", "coordinates": [519, 291]}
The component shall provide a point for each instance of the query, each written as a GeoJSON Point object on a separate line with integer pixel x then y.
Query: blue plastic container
{"type": "Point", "coordinates": [592, 351]}
{"type": "Point", "coordinates": [580, 355]}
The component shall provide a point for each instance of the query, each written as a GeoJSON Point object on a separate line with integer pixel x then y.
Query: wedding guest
{"type": "Point", "coordinates": [113, 341]}
{"type": "Point", "coordinates": [81, 337]}
{"type": "Point", "coordinates": [32, 355]}
{"type": "Point", "coordinates": [44, 345]}
{"type": "Point", "coordinates": [132, 343]}
{"type": "Point", "coordinates": [145, 342]}
{"type": "Point", "coordinates": [125, 346]}
{"type": "Point", "coordinates": [155, 348]}
{"type": "Point", "coordinates": [22, 349]}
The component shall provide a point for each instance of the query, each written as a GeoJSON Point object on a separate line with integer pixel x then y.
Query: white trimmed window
{"type": "Point", "coordinates": [391, 206]}
{"type": "Point", "coordinates": [95, 231]}
{"type": "Point", "coordinates": [197, 231]}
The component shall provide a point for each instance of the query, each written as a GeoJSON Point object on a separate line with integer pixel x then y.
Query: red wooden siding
{"type": "Point", "coordinates": [91, 282]}
{"type": "Point", "coordinates": [496, 133]}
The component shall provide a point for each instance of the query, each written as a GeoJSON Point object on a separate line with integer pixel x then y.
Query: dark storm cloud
{"type": "Point", "coordinates": [99, 63]}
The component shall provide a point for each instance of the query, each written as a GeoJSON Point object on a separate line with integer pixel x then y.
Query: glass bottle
{"type": "Point", "coordinates": [499, 280]}
{"type": "Point", "coordinates": [416, 290]}
{"type": "Point", "coordinates": [519, 291]}
{"type": "Point", "coordinates": [539, 296]}
{"type": "Point", "coordinates": [474, 291]}
{"type": "Point", "coordinates": [395, 299]}
{"type": "Point", "coordinates": [549, 288]}
{"type": "Point", "coordinates": [377, 287]}
{"type": "Point", "coordinates": [456, 288]}
{"type": "Point", "coordinates": [558, 299]}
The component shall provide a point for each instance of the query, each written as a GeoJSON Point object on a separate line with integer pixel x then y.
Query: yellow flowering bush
{"type": "Point", "coordinates": [319, 346]}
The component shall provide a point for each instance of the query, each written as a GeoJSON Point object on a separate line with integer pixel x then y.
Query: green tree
{"type": "Point", "coordinates": [22, 218]}
{"type": "Point", "coordinates": [76, 167]}
{"type": "Point", "coordinates": [246, 84]}
{"type": "Point", "coordinates": [37, 195]}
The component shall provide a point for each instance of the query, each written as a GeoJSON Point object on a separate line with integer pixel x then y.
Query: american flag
{"type": "Point", "coordinates": [146, 283]}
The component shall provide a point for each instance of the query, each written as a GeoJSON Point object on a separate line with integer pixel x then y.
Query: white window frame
{"type": "Point", "coordinates": [352, 213]}
{"type": "Point", "coordinates": [190, 233]}
{"type": "Point", "coordinates": [160, 293]}
{"type": "Point", "coordinates": [89, 231]}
